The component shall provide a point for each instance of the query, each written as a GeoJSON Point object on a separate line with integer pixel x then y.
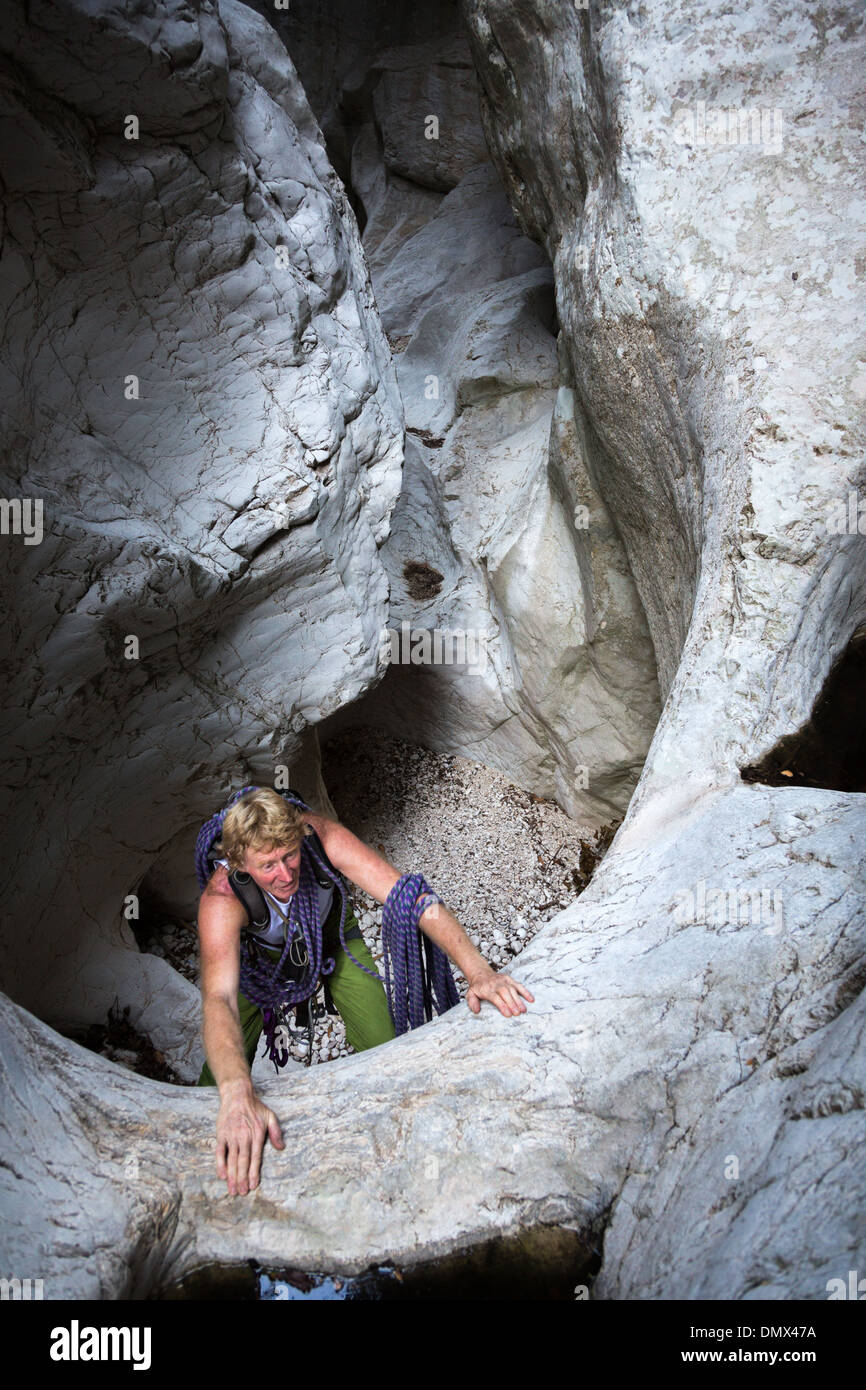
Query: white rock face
{"type": "Point", "coordinates": [702, 1001]}
{"type": "Point", "coordinates": [196, 383]}
{"type": "Point", "coordinates": [713, 335]}
{"type": "Point", "coordinates": [559, 686]}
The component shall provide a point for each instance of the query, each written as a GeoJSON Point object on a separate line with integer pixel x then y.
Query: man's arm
{"type": "Point", "coordinates": [377, 877]}
{"type": "Point", "coordinates": [243, 1120]}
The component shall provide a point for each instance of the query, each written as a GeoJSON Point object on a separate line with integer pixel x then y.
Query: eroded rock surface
{"type": "Point", "coordinates": [653, 1052]}
{"type": "Point", "coordinates": [710, 293]}
{"type": "Point", "coordinates": [702, 1001]}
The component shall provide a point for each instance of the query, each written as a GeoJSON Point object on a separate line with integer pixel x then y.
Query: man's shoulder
{"type": "Point", "coordinates": [218, 889]}
{"type": "Point", "coordinates": [317, 823]}
{"type": "Point", "coordinates": [218, 883]}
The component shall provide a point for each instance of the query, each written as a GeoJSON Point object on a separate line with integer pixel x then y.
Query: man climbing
{"type": "Point", "coordinates": [262, 835]}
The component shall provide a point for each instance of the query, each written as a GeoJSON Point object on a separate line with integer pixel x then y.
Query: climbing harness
{"type": "Point", "coordinates": [422, 976]}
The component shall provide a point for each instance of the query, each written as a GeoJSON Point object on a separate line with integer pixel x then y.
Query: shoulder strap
{"type": "Point", "coordinates": [252, 898]}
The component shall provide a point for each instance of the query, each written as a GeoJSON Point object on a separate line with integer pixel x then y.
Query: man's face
{"type": "Point", "coordinates": [276, 869]}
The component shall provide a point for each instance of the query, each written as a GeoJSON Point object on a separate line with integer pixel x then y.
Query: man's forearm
{"type": "Point", "coordinates": [377, 877]}
{"type": "Point", "coordinates": [224, 1047]}
{"type": "Point", "coordinates": [442, 926]}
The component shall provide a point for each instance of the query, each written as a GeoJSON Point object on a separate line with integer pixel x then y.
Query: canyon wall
{"type": "Point", "coordinates": [686, 1092]}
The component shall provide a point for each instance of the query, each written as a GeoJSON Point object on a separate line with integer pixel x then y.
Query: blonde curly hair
{"type": "Point", "coordinates": [259, 820]}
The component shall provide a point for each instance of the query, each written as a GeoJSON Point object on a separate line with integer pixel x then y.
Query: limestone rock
{"type": "Point", "coordinates": [709, 302]}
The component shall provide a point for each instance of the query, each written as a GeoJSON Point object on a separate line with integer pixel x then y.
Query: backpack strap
{"type": "Point", "coordinates": [252, 898]}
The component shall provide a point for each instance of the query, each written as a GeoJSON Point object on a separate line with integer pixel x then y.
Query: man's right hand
{"type": "Point", "coordinates": [242, 1124]}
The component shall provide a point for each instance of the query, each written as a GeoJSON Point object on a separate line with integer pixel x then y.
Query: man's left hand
{"type": "Point", "coordinates": [501, 990]}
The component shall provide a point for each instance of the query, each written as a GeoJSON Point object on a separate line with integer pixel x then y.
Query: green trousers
{"type": "Point", "coordinates": [359, 999]}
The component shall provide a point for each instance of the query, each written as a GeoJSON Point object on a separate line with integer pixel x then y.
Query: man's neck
{"type": "Point", "coordinates": [283, 902]}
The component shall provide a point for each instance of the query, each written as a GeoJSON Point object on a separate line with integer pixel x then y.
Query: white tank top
{"type": "Point", "coordinates": [274, 934]}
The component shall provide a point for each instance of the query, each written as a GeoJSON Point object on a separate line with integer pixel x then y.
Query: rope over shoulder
{"type": "Point", "coordinates": [262, 980]}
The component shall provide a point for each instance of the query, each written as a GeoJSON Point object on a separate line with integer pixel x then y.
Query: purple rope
{"type": "Point", "coordinates": [262, 980]}
{"type": "Point", "coordinates": [409, 1000]}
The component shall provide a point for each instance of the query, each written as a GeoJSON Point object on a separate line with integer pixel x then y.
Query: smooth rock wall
{"type": "Point", "coordinates": [711, 295]}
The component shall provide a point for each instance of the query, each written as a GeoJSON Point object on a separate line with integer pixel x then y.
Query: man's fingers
{"type": "Point", "coordinates": [220, 1151]}
{"type": "Point", "coordinates": [232, 1176]}
{"type": "Point", "coordinates": [241, 1134]}
{"type": "Point", "coordinates": [516, 1000]}
{"type": "Point", "coordinates": [506, 998]}
{"type": "Point", "coordinates": [244, 1163]}
{"type": "Point", "coordinates": [256, 1158]}
{"type": "Point", "coordinates": [274, 1132]}
{"type": "Point", "coordinates": [501, 990]}
{"type": "Point", "coordinates": [520, 989]}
